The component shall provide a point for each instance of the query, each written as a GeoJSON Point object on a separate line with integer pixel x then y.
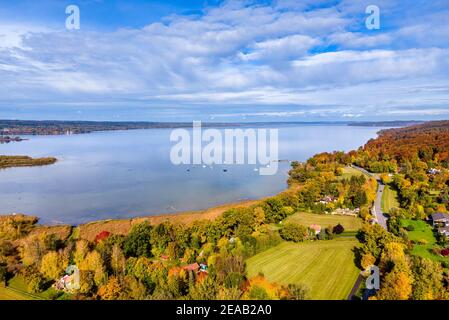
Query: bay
{"type": "Point", "coordinates": [123, 174]}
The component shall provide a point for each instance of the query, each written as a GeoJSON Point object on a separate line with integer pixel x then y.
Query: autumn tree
{"type": "Point", "coordinates": [53, 265]}
{"type": "Point", "coordinates": [117, 260]}
{"type": "Point", "coordinates": [94, 262]}
{"type": "Point", "coordinates": [428, 284]}
{"type": "Point", "coordinates": [112, 290]}
{"type": "Point", "coordinates": [397, 285]}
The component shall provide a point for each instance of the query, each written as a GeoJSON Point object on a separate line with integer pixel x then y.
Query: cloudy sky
{"type": "Point", "coordinates": [232, 60]}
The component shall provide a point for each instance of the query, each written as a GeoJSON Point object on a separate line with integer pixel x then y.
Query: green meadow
{"type": "Point", "coordinates": [326, 267]}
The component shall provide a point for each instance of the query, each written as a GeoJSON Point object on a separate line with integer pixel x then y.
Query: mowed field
{"type": "Point", "coordinates": [423, 238]}
{"type": "Point", "coordinates": [8, 294]}
{"type": "Point", "coordinates": [17, 290]}
{"type": "Point", "coordinates": [324, 220]}
{"type": "Point", "coordinates": [389, 199]}
{"type": "Point", "coordinates": [326, 267]}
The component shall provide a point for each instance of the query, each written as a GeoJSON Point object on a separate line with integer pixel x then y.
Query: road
{"type": "Point", "coordinates": [376, 209]}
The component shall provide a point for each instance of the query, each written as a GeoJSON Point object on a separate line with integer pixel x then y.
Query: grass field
{"type": "Point", "coordinates": [325, 267]}
{"type": "Point", "coordinates": [422, 233]}
{"type": "Point", "coordinates": [348, 172]}
{"type": "Point", "coordinates": [324, 220]}
{"type": "Point", "coordinates": [10, 294]}
{"type": "Point", "coordinates": [389, 199]}
{"type": "Point", "coordinates": [17, 290]}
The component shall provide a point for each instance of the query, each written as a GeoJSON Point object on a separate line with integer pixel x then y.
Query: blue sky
{"type": "Point", "coordinates": [224, 60]}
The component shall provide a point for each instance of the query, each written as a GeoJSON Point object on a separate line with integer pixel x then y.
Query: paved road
{"type": "Point", "coordinates": [376, 210]}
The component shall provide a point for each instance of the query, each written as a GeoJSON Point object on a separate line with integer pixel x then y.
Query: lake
{"type": "Point", "coordinates": [123, 174]}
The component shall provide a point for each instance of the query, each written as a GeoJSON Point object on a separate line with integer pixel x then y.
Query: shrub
{"type": "Point", "coordinates": [233, 280]}
{"type": "Point", "coordinates": [410, 228]}
{"type": "Point", "coordinates": [297, 292]}
{"type": "Point", "coordinates": [102, 236]}
{"type": "Point", "coordinates": [445, 252]}
{"type": "Point", "coordinates": [338, 229]}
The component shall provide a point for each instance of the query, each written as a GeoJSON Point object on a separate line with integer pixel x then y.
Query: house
{"type": "Point", "coordinates": [191, 267]}
{"type": "Point", "coordinates": [327, 199]}
{"type": "Point", "coordinates": [316, 228]}
{"type": "Point", "coordinates": [433, 171]}
{"type": "Point", "coordinates": [65, 283]}
{"type": "Point", "coordinates": [444, 231]}
{"type": "Point", "coordinates": [440, 219]}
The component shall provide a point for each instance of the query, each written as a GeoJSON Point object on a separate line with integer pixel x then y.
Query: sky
{"type": "Point", "coordinates": [223, 61]}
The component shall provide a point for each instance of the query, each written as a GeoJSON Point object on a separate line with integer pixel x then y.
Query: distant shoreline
{"type": "Point", "coordinates": [56, 127]}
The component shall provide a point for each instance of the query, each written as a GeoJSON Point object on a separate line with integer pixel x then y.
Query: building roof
{"type": "Point", "coordinates": [192, 267]}
{"type": "Point", "coordinates": [439, 216]}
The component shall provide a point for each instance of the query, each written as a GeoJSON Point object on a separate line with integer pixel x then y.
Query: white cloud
{"type": "Point", "coordinates": [284, 54]}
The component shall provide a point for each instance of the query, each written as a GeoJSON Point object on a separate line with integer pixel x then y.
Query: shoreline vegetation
{"type": "Point", "coordinates": [52, 127]}
{"type": "Point", "coordinates": [244, 250]}
{"type": "Point", "coordinates": [8, 139]}
{"type": "Point", "coordinates": [24, 161]}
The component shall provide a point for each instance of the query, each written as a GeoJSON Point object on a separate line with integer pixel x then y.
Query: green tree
{"type": "Point", "coordinates": [294, 232]}
{"type": "Point", "coordinates": [137, 243]}
{"type": "Point", "coordinates": [428, 284]}
{"type": "Point", "coordinates": [297, 292]}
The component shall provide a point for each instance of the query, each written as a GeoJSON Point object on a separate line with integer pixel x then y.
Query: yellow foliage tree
{"type": "Point", "coordinates": [367, 260]}
{"type": "Point", "coordinates": [397, 285]}
{"type": "Point", "coordinates": [53, 265]}
{"type": "Point", "coordinates": [111, 290]}
{"type": "Point", "coordinates": [94, 262]}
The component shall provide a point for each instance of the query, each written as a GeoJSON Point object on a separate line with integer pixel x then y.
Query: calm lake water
{"type": "Point", "coordinates": [122, 174]}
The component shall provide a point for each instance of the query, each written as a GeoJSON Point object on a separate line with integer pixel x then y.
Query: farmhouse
{"type": "Point", "coordinates": [440, 219]}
